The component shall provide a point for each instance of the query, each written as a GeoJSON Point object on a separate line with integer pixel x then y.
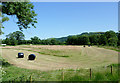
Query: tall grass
{"type": "Point", "coordinates": [19, 74]}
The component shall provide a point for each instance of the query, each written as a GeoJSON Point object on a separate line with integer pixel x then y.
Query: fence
{"type": "Point", "coordinates": [63, 72]}
{"type": "Point", "coordinates": [90, 73]}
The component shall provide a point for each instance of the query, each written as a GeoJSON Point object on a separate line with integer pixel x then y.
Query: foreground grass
{"type": "Point", "coordinates": [12, 73]}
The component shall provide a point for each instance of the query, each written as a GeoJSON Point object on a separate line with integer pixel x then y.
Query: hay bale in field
{"type": "Point", "coordinates": [88, 45]}
{"type": "Point", "coordinates": [84, 46]}
{"type": "Point", "coordinates": [31, 57]}
{"type": "Point", "coordinates": [20, 55]}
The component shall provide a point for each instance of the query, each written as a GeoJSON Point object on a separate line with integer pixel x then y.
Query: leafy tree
{"type": "Point", "coordinates": [13, 41]}
{"type": "Point", "coordinates": [14, 38]}
{"type": "Point", "coordinates": [103, 40]}
{"type": "Point", "coordinates": [3, 20]}
{"type": "Point", "coordinates": [53, 41]}
{"type": "Point", "coordinates": [83, 40]}
{"type": "Point", "coordinates": [28, 41]}
{"type": "Point", "coordinates": [35, 40]}
{"type": "Point", "coordinates": [46, 42]}
{"type": "Point", "coordinates": [119, 38]}
{"type": "Point", "coordinates": [78, 40]}
{"type": "Point", "coordinates": [93, 39]}
{"type": "Point", "coordinates": [23, 11]}
{"type": "Point", "coordinates": [68, 41]}
{"type": "Point", "coordinates": [7, 41]}
{"type": "Point", "coordinates": [72, 40]}
{"type": "Point", "coordinates": [18, 35]}
{"type": "Point", "coordinates": [10, 41]}
{"type": "Point", "coordinates": [110, 34]}
{"type": "Point", "coordinates": [111, 38]}
{"type": "Point", "coordinates": [112, 41]}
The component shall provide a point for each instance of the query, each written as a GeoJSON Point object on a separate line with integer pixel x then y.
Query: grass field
{"type": "Point", "coordinates": [51, 61]}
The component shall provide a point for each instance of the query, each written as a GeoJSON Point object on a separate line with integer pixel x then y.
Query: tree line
{"type": "Point", "coordinates": [18, 38]}
{"type": "Point", "coordinates": [109, 38]}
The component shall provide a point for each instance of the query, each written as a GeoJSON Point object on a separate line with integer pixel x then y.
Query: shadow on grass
{"type": "Point", "coordinates": [61, 56]}
{"type": "Point", "coordinates": [5, 63]}
{"type": "Point", "coordinates": [19, 57]}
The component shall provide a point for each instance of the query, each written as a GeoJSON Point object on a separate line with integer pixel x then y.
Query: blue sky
{"type": "Point", "coordinates": [59, 19]}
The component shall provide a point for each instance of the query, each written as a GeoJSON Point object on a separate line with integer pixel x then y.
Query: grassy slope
{"type": "Point", "coordinates": [12, 73]}
{"type": "Point", "coordinates": [19, 74]}
{"type": "Point", "coordinates": [51, 57]}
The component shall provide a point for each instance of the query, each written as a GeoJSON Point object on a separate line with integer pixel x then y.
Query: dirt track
{"type": "Point", "coordinates": [89, 57]}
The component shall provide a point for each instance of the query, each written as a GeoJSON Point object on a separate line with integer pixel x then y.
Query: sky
{"type": "Point", "coordinates": [74, 0]}
{"type": "Point", "coordinates": [60, 19]}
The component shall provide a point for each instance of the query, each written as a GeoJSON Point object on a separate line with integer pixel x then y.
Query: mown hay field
{"type": "Point", "coordinates": [59, 57]}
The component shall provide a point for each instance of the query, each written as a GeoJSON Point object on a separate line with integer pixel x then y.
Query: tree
{"type": "Point", "coordinates": [28, 41]}
{"type": "Point", "coordinates": [35, 40]}
{"type": "Point", "coordinates": [18, 35]}
{"type": "Point", "coordinates": [78, 40]}
{"type": "Point", "coordinates": [53, 41]}
{"type": "Point", "coordinates": [83, 40]}
{"type": "Point", "coordinates": [3, 20]}
{"type": "Point", "coordinates": [23, 11]}
{"type": "Point", "coordinates": [110, 34]}
{"type": "Point", "coordinates": [112, 41]}
{"type": "Point", "coordinates": [15, 37]}
{"type": "Point", "coordinates": [69, 40]}
{"type": "Point", "coordinates": [13, 41]}
{"type": "Point", "coordinates": [93, 39]}
{"type": "Point", "coordinates": [111, 38]}
{"type": "Point", "coordinates": [7, 41]}
{"type": "Point", "coordinates": [72, 40]}
{"type": "Point", "coordinates": [119, 38]}
{"type": "Point", "coordinates": [46, 42]}
{"type": "Point", "coordinates": [103, 40]}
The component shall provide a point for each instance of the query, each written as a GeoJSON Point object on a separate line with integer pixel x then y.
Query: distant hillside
{"type": "Point", "coordinates": [63, 39]}
{"type": "Point", "coordinates": [92, 33]}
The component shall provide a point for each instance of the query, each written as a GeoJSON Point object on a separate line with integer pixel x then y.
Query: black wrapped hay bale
{"type": "Point", "coordinates": [31, 57]}
{"type": "Point", "coordinates": [20, 55]}
{"type": "Point", "coordinates": [88, 45]}
{"type": "Point", "coordinates": [84, 46]}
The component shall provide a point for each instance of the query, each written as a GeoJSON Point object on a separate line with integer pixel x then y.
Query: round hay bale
{"type": "Point", "coordinates": [88, 45]}
{"type": "Point", "coordinates": [84, 46]}
{"type": "Point", "coordinates": [31, 57]}
{"type": "Point", "coordinates": [20, 55]}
